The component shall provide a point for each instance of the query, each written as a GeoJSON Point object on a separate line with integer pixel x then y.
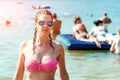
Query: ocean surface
{"type": "Point", "coordinates": [80, 64]}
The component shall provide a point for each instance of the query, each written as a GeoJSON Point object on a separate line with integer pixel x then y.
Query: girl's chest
{"type": "Point", "coordinates": [40, 55]}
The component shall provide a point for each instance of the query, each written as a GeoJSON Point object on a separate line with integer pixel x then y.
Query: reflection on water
{"type": "Point", "coordinates": [92, 65]}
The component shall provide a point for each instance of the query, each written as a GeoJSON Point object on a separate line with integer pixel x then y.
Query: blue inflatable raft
{"type": "Point", "coordinates": [72, 44]}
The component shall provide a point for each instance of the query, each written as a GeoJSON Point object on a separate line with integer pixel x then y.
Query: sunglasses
{"type": "Point", "coordinates": [42, 23]}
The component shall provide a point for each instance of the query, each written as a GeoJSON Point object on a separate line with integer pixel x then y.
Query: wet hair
{"type": "Point", "coordinates": [98, 22]}
{"type": "Point", "coordinates": [42, 12]}
{"type": "Point", "coordinates": [75, 19]}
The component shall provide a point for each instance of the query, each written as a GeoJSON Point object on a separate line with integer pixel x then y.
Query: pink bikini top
{"type": "Point", "coordinates": [48, 67]}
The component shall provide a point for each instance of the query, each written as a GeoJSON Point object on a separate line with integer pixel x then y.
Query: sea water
{"type": "Point", "coordinates": [80, 64]}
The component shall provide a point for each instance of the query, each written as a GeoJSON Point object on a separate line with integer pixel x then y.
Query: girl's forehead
{"type": "Point", "coordinates": [48, 17]}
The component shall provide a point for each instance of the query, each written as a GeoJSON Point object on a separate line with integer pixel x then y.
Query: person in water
{"type": "Point", "coordinates": [101, 32]}
{"type": "Point", "coordinates": [77, 20]}
{"type": "Point", "coordinates": [105, 19]}
{"type": "Point", "coordinates": [115, 46]}
{"type": "Point", "coordinates": [40, 56]}
{"type": "Point", "coordinates": [80, 32]}
{"type": "Point", "coordinates": [7, 23]}
{"type": "Point", "coordinates": [56, 26]}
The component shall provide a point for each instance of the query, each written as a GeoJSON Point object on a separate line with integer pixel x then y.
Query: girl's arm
{"type": "Point", "coordinates": [61, 65]}
{"type": "Point", "coordinates": [20, 64]}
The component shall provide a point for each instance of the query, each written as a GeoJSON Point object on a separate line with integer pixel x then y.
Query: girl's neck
{"type": "Point", "coordinates": [42, 39]}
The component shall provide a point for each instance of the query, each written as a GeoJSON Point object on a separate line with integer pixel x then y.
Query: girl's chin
{"type": "Point", "coordinates": [44, 33]}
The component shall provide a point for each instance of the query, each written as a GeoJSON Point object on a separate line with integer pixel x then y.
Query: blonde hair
{"type": "Point", "coordinates": [43, 12]}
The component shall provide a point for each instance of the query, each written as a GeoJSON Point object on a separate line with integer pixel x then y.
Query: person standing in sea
{"type": "Point", "coordinates": [56, 26]}
{"type": "Point", "coordinates": [40, 57]}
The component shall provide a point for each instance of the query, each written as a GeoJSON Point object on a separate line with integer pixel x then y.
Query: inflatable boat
{"type": "Point", "coordinates": [72, 44]}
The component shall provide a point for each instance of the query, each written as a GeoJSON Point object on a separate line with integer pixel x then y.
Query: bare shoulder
{"type": "Point", "coordinates": [58, 46]}
{"type": "Point", "coordinates": [60, 51]}
{"type": "Point", "coordinates": [25, 44]}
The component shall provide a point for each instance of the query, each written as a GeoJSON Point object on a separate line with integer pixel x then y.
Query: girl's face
{"type": "Point", "coordinates": [44, 24]}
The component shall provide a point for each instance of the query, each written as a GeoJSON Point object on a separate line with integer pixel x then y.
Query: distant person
{"type": "Point", "coordinates": [56, 26]}
{"type": "Point", "coordinates": [99, 29]}
{"type": "Point", "coordinates": [105, 19]}
{"type": "Point", "coordinates": [115, 47]}
{"type": "Point", "coordinates": [76, 20]}
{"type": "Point", "coordinates": [81, 33]}
{"type": "Point", "coordinates": [7, 23]}
{"type": "Point", "coordinates": [101, 32]}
